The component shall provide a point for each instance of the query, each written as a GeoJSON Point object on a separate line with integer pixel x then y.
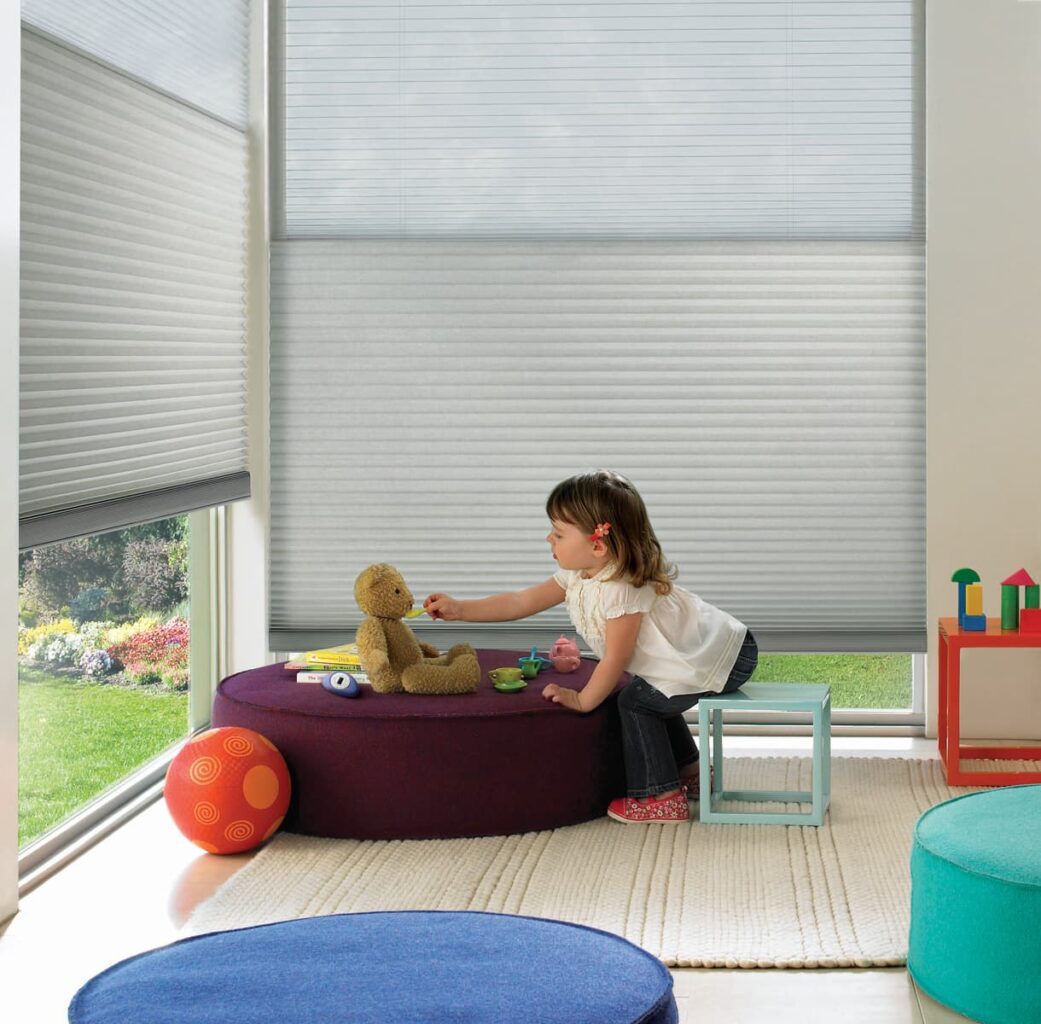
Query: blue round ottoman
{"type": "Point", "coordinates": [407, 966]}
{"type": "Point", "coordinates": [975, 942]}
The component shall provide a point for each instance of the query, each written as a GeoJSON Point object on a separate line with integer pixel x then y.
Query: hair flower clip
{"type": "Point", "coordinates": [601, 531]}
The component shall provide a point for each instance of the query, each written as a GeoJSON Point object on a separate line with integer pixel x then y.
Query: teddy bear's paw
{"type": "Point", "coordinates": [386, 681]}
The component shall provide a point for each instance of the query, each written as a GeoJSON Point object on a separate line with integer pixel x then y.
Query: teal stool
{"type": "Point", "coordinates": [975, 942]}
{"type": "Point", "coordinates": [812, 697]}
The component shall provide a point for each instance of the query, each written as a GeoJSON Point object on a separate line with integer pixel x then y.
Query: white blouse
{"type": "Point", "coordinates": [685, 644]}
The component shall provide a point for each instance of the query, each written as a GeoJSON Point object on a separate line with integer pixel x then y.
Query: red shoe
{"type": "Point", "coordinates": [691, 784]}
{"type": "Point", "coordinates": [669, 810]}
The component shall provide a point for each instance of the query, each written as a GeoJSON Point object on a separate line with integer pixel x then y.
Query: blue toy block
{"type": "Point", "coordinates": [973, 623]}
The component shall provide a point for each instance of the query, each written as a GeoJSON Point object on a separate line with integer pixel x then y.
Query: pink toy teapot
{"type": "Point", "coordinates": [565, 655]}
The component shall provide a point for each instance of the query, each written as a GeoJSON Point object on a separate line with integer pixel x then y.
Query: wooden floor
{"type": "Point", "coordinates": [134, 890]}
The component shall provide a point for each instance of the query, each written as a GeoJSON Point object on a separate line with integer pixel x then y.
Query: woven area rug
{"type": "Point", "coordinates": [693, 895]}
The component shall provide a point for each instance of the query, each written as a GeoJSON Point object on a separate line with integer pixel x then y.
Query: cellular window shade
{"type": "Point", "coordinates": [695, 119]}
{"type": "Point", "coordinates": [684, 241]}
{"type": "Point", "coordinates": [132, 301]}
{"type": "Point", "coordinates": [766, 399]}
{"type": "Point", "coordinates": [194, 50]}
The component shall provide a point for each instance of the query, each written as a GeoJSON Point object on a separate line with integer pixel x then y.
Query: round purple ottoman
{"type": "Point", "coordinates": [402, 766]}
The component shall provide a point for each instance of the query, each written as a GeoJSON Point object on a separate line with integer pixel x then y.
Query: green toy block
{"type": "Point", "coordinates": [1033, 596]}
{"type": "Point", "coordinates": [1009, 607]}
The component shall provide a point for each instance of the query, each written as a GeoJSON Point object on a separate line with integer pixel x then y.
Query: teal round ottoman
{"type": "Point", "coordinates": [975, 942]}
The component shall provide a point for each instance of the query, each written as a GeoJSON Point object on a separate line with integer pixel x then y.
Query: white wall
{"type": "Point", "coordinates": [983, 68]}
{"type": "Point", "coordinates": [10, 91]}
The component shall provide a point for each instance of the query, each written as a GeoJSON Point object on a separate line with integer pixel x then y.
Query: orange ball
{"type": "Point", "coordinates": [227, 789]}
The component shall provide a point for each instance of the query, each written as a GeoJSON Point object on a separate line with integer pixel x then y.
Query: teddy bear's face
{"type": "Point", "coordinates": [380, 590]}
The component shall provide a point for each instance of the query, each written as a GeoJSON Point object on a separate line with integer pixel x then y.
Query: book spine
{"type": "Point", "coordinates": [317, 677]}
{"type": "Point", "coordinates": [348, 663]}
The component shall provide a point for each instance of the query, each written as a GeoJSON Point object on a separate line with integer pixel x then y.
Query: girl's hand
{"type": "Point", "coordinates": [442, 606]}
{"type": "Point", "coordinates": [562, 695]}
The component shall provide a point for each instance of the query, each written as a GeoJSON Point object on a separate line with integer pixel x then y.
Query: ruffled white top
{"type": "Point", "coordinates": [685, 644]}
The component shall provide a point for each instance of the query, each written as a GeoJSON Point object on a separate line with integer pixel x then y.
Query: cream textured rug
{"type": "Point", "coordinates": [693, 895]}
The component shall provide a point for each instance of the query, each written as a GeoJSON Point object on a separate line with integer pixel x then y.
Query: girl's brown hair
{"type": "Point", "coordinates": [603, 496]}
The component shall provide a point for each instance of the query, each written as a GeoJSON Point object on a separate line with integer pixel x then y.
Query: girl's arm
{"type": "Point", "coordinates": [517, 604]}
{"type": "Point", "coordinates": [619, 642]}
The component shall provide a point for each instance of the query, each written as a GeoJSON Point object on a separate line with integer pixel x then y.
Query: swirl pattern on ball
{"type": "Point", "coordinates": [204, 770]}
{"type": "Point", "coordinates": [238, 746]}
{"type": "Point", "coordinates": [206, 813]}
{"type": "Point", "coordinates": [238, 831]}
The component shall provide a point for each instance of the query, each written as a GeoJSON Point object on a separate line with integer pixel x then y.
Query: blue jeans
{"type": "Point", "coordinates": [656, 741]}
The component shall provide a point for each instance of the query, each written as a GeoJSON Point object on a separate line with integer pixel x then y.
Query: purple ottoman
{"type": "Point", "coordinates": [401, 766]}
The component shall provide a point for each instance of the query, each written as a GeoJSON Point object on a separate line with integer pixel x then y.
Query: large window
{"type": "Point", "coordinates": [514, 241]}
{"type": "Point", "coordinates": [132, 387]}
{"type": "Point", "coordinates": [103, 664]}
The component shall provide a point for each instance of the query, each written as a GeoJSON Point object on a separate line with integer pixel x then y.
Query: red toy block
{"type": "Point", "coordinates": [1030, 620]}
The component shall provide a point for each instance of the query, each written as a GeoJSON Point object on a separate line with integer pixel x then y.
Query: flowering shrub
{"type": "Point", "coordinates": [61, 650]}
{"type": "Point", "coordinates": [28, 637]}
{"type": "Point", "coordinates": [94, 635]}
{"type": "Point", "coordinates": [118, 634]}
{"type": "Point", "coordinates": [161, 651]}
{"type": "Point", "coordinates": [96, 664]}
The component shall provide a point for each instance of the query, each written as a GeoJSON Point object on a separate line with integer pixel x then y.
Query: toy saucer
{"type": "Point", "coordinates": [510, 686]}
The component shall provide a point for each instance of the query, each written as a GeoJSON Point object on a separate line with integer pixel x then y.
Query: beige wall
{"type": "Point", "coordinates": [984, 364]}
{"type": "Point", "coordinates": [10, 88]}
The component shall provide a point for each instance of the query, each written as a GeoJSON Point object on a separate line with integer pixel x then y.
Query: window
{"type": "Point", "coordinates": [518, 241]}
{"type": "Point", "coordinates": [104, 670]}
{"type": "Point", "coordinates": [857, 681]}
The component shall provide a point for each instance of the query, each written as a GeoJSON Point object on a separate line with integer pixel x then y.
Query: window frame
{"type": "Point", "coordinates": [207, 548]}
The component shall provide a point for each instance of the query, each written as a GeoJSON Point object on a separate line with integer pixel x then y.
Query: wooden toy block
{"type": "Point", "coordinates": [1009, 606]}
{"type": "Point", "coordinates": [963, 577]}
{"type": "Point", "coordinates": [973, 624]}
{"type": "Point", "coordinates": [1033, 596]}
{"type": "Point", "coordinates": [974, 599]}
{"type": "Point", "coordinates": [1030, 620]}
{"type": "Point", "coordinates": [1020, 578]}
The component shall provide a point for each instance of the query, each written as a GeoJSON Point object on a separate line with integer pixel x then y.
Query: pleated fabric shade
{"type": "Point", "coordinates": [133, 257]}
{"type": "Point", "coordinates": [684, 241]}
{"type": "Point", "coordinates": [764, 397]}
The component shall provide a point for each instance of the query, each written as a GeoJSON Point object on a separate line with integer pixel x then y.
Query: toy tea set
{"type": "Point", "coordinates": [564, 656]}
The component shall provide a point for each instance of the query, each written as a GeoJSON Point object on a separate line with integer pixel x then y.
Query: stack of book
{"type": "Point", "coordinates": [316, 664]}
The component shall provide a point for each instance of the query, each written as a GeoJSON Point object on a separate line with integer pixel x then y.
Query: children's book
{"type": "Point", "coordinates": [301, 666]}
{"type": "Point", "coordinates": [345, 656]}
{"type": "Point", "coordinates": [308, 676]}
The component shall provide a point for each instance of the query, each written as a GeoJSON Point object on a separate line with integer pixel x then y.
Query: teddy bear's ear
{"type": "Point", "coordinates": [364, 583]}
{"type": "Point", "coordinates": [370, 578]}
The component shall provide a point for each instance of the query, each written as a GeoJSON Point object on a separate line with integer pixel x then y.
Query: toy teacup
{"type": "Point", "coordinates": [530, 667]}
{"type": "Point", "coordinates": [508, 674]}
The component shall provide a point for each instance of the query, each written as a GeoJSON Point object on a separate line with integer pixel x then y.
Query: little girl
{"type": "Point", "coordinates": [621, 598]}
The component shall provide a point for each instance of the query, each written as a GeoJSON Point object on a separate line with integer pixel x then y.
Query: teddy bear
{"type": "Point", "coordinates": [392, 657]}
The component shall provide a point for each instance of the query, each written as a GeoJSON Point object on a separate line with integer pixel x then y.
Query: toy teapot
{"type": "Point", "coordinates": [565, 655]}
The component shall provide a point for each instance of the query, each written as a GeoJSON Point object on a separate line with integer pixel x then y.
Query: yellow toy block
{"type": "Point", "coordinates": [974, 599]}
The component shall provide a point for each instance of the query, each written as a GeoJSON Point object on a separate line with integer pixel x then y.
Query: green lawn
{"type": "Point", "coordinates": [75, 739]}
{"type": "Point", "coordinates": [856, 680]}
